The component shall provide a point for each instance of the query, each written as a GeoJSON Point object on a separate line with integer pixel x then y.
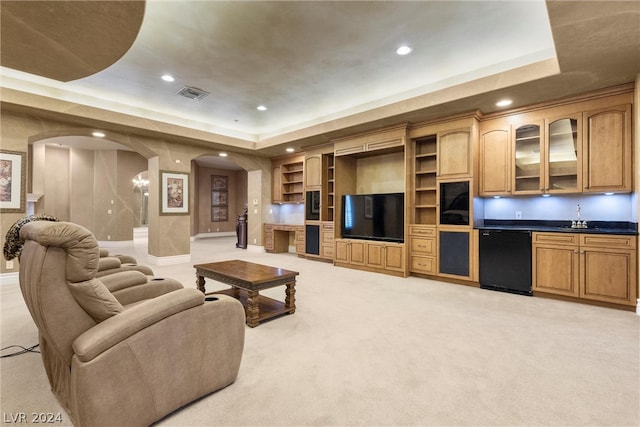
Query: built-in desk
{"type": "Point", "coordinates": [277, 237]}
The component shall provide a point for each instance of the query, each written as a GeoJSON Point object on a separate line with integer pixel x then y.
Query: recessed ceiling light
{"type": "Point", "coordinates": [222, 154]}
{"type": "Point", "coordinates": [98, 134]}
{"type": "Point", "coordinates": [290, 150]}
{"type": "Point", "coordinates": [404, 50]}
{"type": "Point", "coordinates": [261, 108]}
{"type": "Point", "coordinates": [167, 78]}
{"type": "Point", "coordinates": [504, 103]}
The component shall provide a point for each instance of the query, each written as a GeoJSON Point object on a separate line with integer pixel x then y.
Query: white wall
{"type": "Point", "coordinates": [617, 207]}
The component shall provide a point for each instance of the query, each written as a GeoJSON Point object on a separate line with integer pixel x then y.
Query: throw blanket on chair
{"type": "Point", "coordinates": [13, 245]}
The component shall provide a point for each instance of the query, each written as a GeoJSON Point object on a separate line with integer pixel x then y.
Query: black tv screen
{"type": "Point", "coordinates": [373, 217]}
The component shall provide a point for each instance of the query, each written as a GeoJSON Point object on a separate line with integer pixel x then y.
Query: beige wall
{"type": "Point", "coordinates": [81, 190]}
{"type": "Point", "coordinates": [380, 174]}
{"type": "Point", "coordinates": [69, 198]}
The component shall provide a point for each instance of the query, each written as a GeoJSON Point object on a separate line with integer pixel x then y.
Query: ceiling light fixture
{"type": "Point", "coordinates": [167, 78]}
{"type": "Point", "coordinates": [261, 108]}
{"type": "Point", "coordinates": [223, 154]}
{"type": "Point", "coordinates": [290, 150]}
{"type": "Point", "coordinates": [404, 50]}
{"type": "Point", "coordinates": [98, 134]}
{"type": "Point", "coordinates": [504, 103]}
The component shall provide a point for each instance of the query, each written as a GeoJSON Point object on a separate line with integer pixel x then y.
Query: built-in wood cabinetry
{"type": "Point", "coordinates": [607, 154]}
{"type": "Point", "coordinates": [495, 158]}
{"type": "Point", "coordinates": [372, 142]}
{"type": "Point", "coordinates": [596, 267]}
{"type": "Point", "coordinates": [425, 167]}
{"type": "Point", "coordinates": [313, 171]}
{"type": "Point", "coordinates": [381, 257]}
{"type": "Point", "coordinates": [319, 202]}
{"type": "Point", "coordinates": [456, 153]}
{"type": "Point", "coordinates": [350, 252]}
{"type": "Point", "coordinates": [287, 179]}
{"type": "Point", "coordinates": [278, 238]}
{"type": "Point", "coordinates": [577, 146]}
{"type": "Point", "coordinates": [327, 249]}
{"type": "Point", "coordinates": [369, 163]}
{"type": "Point", "coordinates": [443, 157]}
{"type": "Point", "coordinates": [423, 249]}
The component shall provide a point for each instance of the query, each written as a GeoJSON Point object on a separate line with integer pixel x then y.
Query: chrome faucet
{"type": "Point", "coordinates": [578, 223]}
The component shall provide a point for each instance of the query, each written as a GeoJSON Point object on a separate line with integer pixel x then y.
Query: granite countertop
{"type": "Point", "coordinates": [593, 227]}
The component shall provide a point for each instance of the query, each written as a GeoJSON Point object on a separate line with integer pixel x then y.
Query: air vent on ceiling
{"type": "Point", "coordinates": [192, 93]}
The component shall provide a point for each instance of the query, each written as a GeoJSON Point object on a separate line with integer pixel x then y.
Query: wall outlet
{"type": "Point", "coordinates": [9, 265]}
{"type": "Point", "coordinates": [518, 214]}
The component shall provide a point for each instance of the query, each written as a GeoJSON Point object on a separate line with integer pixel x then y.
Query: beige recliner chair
{"type": "Point", "coordinates": [115, 365]}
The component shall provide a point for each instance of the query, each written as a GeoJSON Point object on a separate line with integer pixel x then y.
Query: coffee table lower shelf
{"type": "Point", "coordinates": [268, 308]}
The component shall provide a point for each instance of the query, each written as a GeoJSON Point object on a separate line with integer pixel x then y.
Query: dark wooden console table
{"type": "Point", "coordinates": [246, 280]}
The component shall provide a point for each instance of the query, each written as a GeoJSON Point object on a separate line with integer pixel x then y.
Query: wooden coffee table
{"type": "Point", "coordinates": [246, 280]}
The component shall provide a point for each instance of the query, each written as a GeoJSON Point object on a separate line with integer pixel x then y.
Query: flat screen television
{"type": "Point", "coordinates": [373, 217]}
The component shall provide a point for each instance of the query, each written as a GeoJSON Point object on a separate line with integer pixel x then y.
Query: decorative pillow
{"type": "Point", "coordinates": [94, 297]}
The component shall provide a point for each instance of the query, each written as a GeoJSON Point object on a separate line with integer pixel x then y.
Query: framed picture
{"type": "Point", "coordinates": [219, 198]}
{"type": "Point", "coordinates": [219, 214]}
{"type": "Point", "coordinates": [219, 182]}
{"type": "Point", "coordinates": [12, 181]}
{"type": "Point", "coordinates": [174, 199]}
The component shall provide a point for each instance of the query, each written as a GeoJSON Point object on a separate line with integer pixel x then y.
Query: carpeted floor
{"type": "Point", "coordinates": [367, 349]}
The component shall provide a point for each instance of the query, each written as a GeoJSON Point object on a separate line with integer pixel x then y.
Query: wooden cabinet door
{"type": "Point", "coordinates": [454, 154]}
{"type": "Point", "coordinates": [607, 154]}
{"type": "Point", "coordinates": [375, 255]}
{"type": "Point", "coordinates": [342, 250]}
{"type": "Point", "coordinates": [555, 269]}
{"type": "Point", "coordinates": [394, 258]}
{"type": "Point", "coordinates": [608, 275]}
{"type": "Point", "coordinates": [357, 252]}
{"type": "Point", "coordinates": [350, 251]}
{"type": "Point", "coordinates": [495, 162]}
{"type": "Point", "coordinates": [313, 172]}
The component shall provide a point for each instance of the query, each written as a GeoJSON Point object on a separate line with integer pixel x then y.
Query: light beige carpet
{"type": "Point", "coordinates": [367, 349]}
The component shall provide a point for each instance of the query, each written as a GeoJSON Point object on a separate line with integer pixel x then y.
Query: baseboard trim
{"type": "Point", "coordinates": [115, 243]}
{"type": "Point", "coordinates": [216, 234]}
{"type": "Point", "coordinates": [9, 279]}
{"type": "Point", "coordinates": [169, 260]}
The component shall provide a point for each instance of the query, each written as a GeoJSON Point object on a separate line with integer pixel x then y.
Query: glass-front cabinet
{"type": "Point", "coordinates": [563, 151]}
{"type": "Point", "coordinates": [528, 158]}
{"type": "Point", "coordinates": [548, 156]}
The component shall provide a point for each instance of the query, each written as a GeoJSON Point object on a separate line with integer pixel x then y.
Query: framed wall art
{"type": "Point", "coordinates": [219, 182]}
{"type": "Point", "coordinates": [219, 214]}
{"type": "Point", "coordinates": [174, 199]}
{"type": "Point", "coordinates": [12, 181]}
{"type": "Point", "coordinates": [219, 198]}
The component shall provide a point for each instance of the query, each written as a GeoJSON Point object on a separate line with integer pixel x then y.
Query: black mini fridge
{"type": "Point", "coordinates": [505, 261]}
